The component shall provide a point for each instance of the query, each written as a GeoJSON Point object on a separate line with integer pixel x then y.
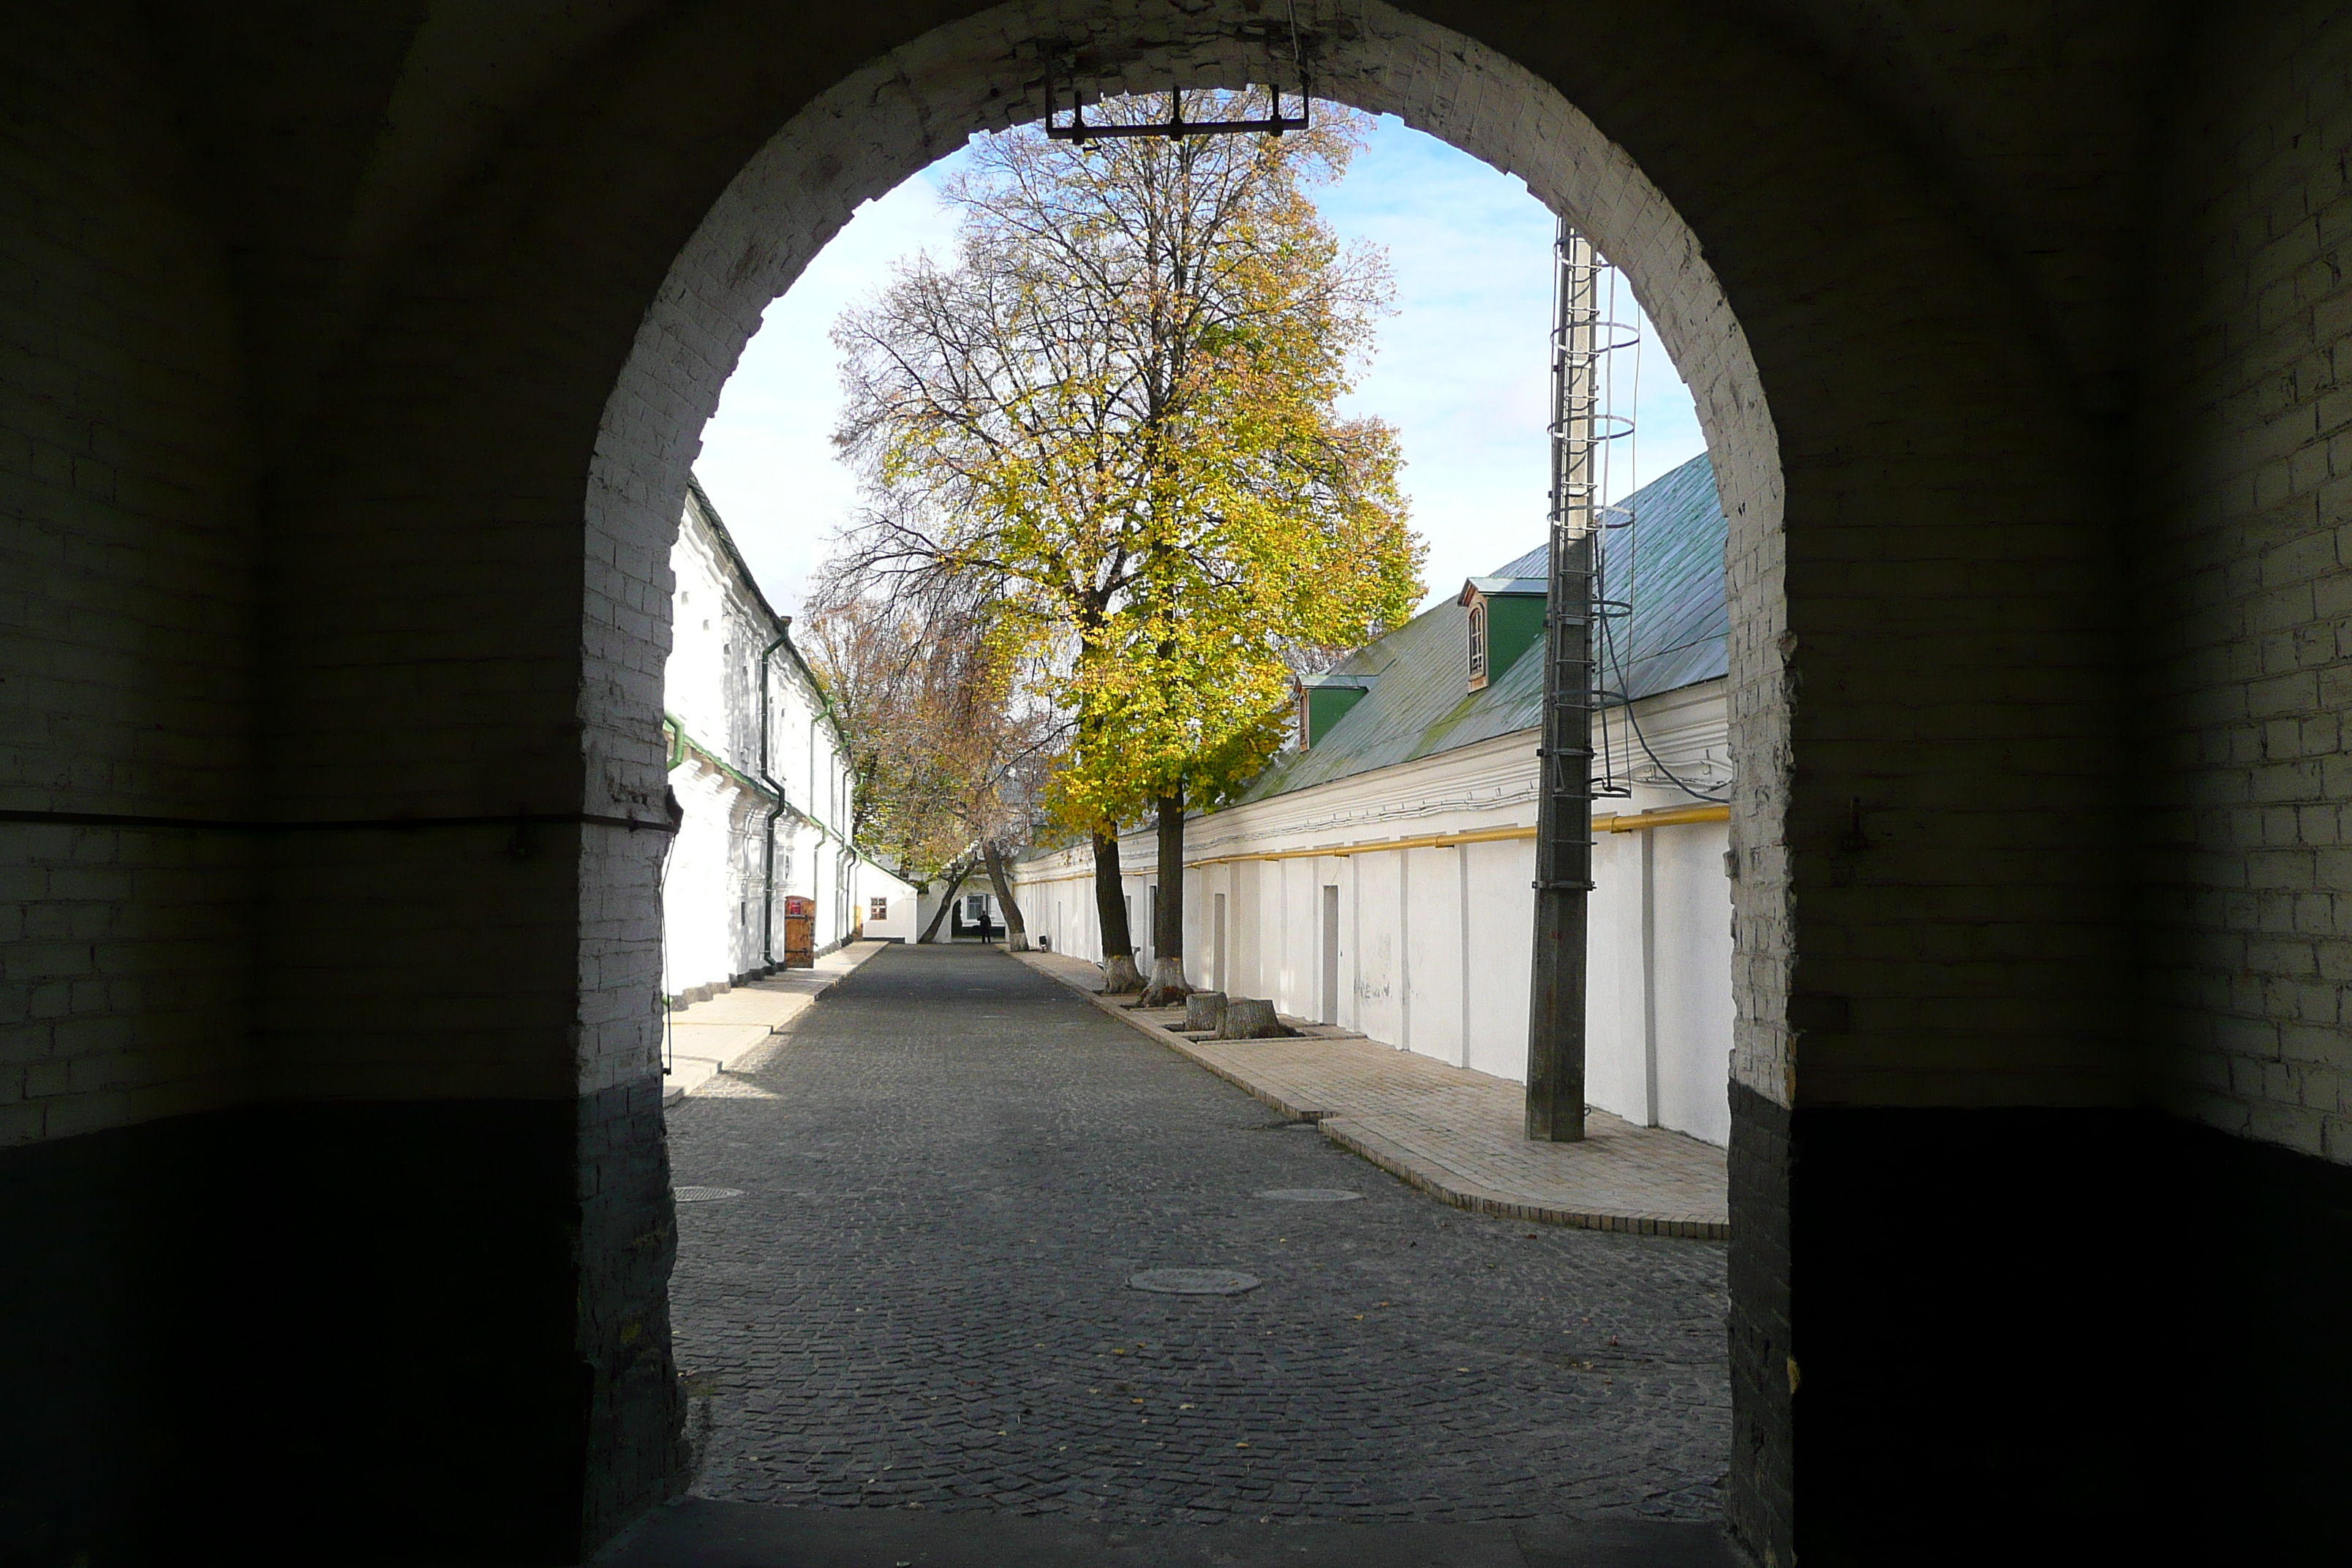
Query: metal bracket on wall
{"type": "Point", "coordinates": [1075, 63]}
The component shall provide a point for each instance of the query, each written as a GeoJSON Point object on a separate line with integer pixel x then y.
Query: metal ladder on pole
{"type": "Point", "coordinates": [1575, 609]}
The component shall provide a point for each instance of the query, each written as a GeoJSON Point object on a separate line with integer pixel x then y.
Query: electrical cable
{"type": "Point", "coordinates": [1612, 652]}
{"type": "Point", "coordinates": [1625, 700]}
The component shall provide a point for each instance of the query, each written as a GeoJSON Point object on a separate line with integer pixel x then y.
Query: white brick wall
{"type": "Point", "coordinates": [2251, 620]}
{"type": "Point", "coordinates": [126, 596]}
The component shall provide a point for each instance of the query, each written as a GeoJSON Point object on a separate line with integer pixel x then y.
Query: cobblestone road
{"type": "Point", "coordinates": [950, 1173]}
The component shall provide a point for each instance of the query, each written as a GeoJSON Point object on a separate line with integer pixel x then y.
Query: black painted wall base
{"type": "Point", "coordinates": [337, 1333]}
{"type": "Point", "coordinates": [2263, 1254]}
{"type": "Point", "coordinates": [1968, 1336]}
{"type": "Point", "coordinates": [359, 1333]}
{"type": "Point", "coordinates": [1761, 1508]}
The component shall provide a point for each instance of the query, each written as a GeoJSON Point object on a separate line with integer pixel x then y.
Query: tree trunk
{"type": "Point", "coordinates": [1119, 974]}
{"type": "Point", "coordinates": [1016, 929]}
{"type": "Point", "coordinates": [947, 902]}
{"type": "Point", "coordinates": [1168, 987]}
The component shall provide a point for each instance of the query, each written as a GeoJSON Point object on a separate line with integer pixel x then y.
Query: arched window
{"type": "Point", "coordinates": [1478, 642]}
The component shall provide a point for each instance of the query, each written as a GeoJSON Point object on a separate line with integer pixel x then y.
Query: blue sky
{"type": "Point", "coordinates": [1460, 370]}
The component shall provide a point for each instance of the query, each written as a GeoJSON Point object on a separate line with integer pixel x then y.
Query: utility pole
{"type": "Point", "coordinates": [1564, 801]}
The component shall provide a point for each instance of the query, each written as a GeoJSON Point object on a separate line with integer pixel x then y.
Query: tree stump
{"type": "Point", "coordinates": [1205, 1010]}
{"type": "Point", "coordinates": [1166, 987]}
{"type": "Point", "coordinates": [1249, 1018]}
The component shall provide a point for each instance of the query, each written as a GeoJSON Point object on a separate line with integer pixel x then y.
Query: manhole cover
{"type": "Point", "coordinates": [704, 1194]}
{"type": "Point", "coordinates": [1194, 1281]}
{"type": "Point", "coordinates": [1311, 1194]}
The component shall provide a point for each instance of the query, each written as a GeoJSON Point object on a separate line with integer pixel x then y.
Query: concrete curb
{"type": "Point", "coordinates": [1424, 1174]}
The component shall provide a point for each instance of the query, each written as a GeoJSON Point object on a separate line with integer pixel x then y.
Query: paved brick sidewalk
{"type": "Point", "coordinates": [720, 1032]}
{"type": "Point", "coordinates": [1454, 1132]}
{"type": "Point", "coordinates": [948, 1173]}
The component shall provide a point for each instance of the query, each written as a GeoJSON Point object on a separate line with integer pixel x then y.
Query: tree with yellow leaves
{"type": "Point", "coordinates": [1113, 416]}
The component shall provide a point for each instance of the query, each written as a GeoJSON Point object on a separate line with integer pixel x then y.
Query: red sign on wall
{"type": "Point", "coordinates": [796, 905]}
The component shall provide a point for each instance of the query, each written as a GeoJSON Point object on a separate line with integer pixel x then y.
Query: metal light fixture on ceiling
{"type": "Point", "coordinates": [1176, 127]}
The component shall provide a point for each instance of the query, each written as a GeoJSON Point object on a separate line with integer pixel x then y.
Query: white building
{"type": "Point", "coordinates": [974, 900]}
{"type": "Point", "coordinates": [1378, 877]}
{"type": "Point", "coordinates": [759, 767]}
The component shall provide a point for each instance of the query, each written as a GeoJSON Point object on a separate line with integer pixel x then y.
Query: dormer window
{"type": "Point", "coordinates": [1324, 700]}
{"type": "Point", "coordinates": [1504, 619]}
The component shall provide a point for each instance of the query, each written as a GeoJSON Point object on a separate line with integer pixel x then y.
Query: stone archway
{"type": "Point", "coordinates": [911, 105]}
{"type": "Point", "coordinates": [1859, 455]}
{"type": "Point", "coordinates": [471, 280]}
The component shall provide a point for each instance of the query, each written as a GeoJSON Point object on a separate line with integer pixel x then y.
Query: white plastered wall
{"type": "Point", "coordinates": [1433, 943]}
{"type": "Point", "coordinates": [898, 904]}
{"type": "Point", "coordinates": [716, 928]}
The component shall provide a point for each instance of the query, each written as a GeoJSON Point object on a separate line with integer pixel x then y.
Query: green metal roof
{"type": "Point", "coordinates": [1668, 566]}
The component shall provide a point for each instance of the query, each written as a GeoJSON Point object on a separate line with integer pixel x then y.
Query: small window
{"type": "Point", "coordinates": [1478, 642]}
{"type": "Point", "coordinates": [878, 908]}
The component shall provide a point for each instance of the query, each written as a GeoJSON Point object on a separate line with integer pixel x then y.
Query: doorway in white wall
{"type": "Point", "coordinates": [1331, 954]}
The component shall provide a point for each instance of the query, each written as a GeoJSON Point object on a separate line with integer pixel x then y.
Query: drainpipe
{"type": "Point", "coordinates": [768, 880]}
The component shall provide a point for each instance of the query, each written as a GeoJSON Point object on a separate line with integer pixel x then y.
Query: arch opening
{"type": "Point", "coordinates": [351, 501]}
{"type": "Point", "coordinates": [905, 110]}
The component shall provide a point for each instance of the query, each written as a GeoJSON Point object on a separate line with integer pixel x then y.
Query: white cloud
{"type": "Point", "coordinates": [1461, 370]}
